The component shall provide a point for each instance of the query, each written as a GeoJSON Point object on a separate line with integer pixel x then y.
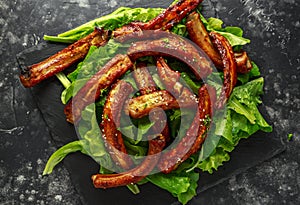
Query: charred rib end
{"type": "Point", "coordinates": [25, 76]}
{"type": "Point", "coordinates": [69, 114]}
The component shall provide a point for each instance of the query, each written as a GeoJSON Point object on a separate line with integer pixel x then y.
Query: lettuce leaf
{"type": "Point", "coordinates": [181, 185]}
{"type": "Point", "coordinates": [61, 153]}
{"type": "Point", "coordinates": [233, 34]}
{"type": "Point", "coordinates": [242, 119]}
{"type": "Point", "coordinates": [116, 19]}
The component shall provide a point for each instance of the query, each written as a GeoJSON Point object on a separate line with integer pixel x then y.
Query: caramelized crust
{"type": "Point", "coordinates": [195, 135]}
{"type": "Point", "coordinates": [144, 79]}
{"type": "Point", "coordinates": [136, 174]}
{"type": "Point", "coordinates": [169, 77]}
{"type": "Point", "coordinates": [142, 105]}
{"type": "Point", "coordinates": [147, 85]}
{"type": "Point", "coordinates": [199, 35]}
{"type": "Point", "coordinates": [91, 91]}
{"type": "Point", "coordinates": [243, 62]}
{"type": "Point", "coordinates": [176, 47]}
{"type": "Point", "coordinates": [229, 67]}
{"type": "Point", "coordinates": [172, 15]}
{"type": "Point", "coordinates": [63, 59]}
{"type": "Point", "coordinates": [111, 122]}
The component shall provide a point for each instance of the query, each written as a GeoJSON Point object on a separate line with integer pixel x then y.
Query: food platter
{"type": "Point", "coordinates": [250, 152]}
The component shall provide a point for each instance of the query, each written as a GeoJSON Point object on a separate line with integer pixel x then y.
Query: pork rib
{"type": "Point", "coordinates": [111, 122]}
{"type": "Point", "coordinates": [195, 135]}
{"type": "Point", "coordinates": [36, 73]}
{"type": "Point", "coordinates": [229, 67]}
{"type": "Point", "coordinates": [91, 91]}
{"type": "Point", "coordinates": [146, 86]}
{"type": "Point", "coordinates": [136, 174]}
{"type": "Point", "coordinates": [199, 35]}
{"type": "Point", "coordinates": [142, 105]}
{"type": "Point", "coordinates": [176, 47]}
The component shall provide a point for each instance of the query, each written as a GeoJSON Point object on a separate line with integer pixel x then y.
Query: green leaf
{"type": "Point", "coordinates": [61, 153]}
{"type": "Point", "coordinates": [69, 92]}
{"type": "Point", "coordinates": [133, 188]}
{"type": "Point", "coordinates": [116, 19]}
{"type": "Point", "coordinates": [194, 86]}
{"type": "Point", "coordinates": [234, 30]}
{"type": "Point", "coordinates": [89, 131]}
{"type": "Point", "coordinates": [63, 79]}
{"type": "Point", "coordinates": [233, 34]}
{"type": "Point", "coordinates": [214, 161]}
{"type": "Point", "coordinates": [233, 39]}
{"type": "Point", "coordinates": [185, 197]}
{"type": "Point", "coordinates": [181, 185]}
{"type": "Point", "coordinates": [214, 23]}
{"type": "Point", "coordinates": [290, 136]}
{"type": "Point", "coordinates": [144, 125]}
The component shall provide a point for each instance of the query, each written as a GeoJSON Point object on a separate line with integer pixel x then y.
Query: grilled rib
{"type": "Point", "coordinates": [172, 15]}
{"type": "Point", "coordinates": [142, 105]}
{"type": "Point", "coordinates": [91, 91]}
{"type": "Point", "coordinates": [111, 122]}
{"type": "Point", "coordinates": [156, 145]}
{"type": "Point", "coordinates": [169, 77]}
{"type": "Point", "coordinates": [36, 73]}
{"type": "Point", "coordinates": [176, 47]}
{"type": "Point", "coordinates": [229, 67]}
{"type": "Point", "coordinates": [199, 35]}
{"type": "Point", "coordinates": [147, 85]}
{"type": "Point", "coordinates": [195, 135]}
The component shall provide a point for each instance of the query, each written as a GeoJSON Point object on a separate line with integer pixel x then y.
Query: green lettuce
{"type": "Point", "coordinates": [181, 185]}
{"type": "Point", "coordinates": [233, 34]}
{"type": "Point", "coordinates": [116, 19]}
{"type": "Point", "coordinates": [241, 120]}
{"type": "Point", "coordinates": [61, 153]}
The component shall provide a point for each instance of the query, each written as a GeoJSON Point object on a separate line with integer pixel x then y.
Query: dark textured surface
{"type": "Point", "coordinates": [25, 142]}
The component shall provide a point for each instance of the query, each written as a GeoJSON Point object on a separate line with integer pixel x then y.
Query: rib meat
{"type": "Point", "coordinates": [169, 77]}
{"type": "Point", "coordinates": [36, 73]}
{"type": "Point", "coordinates": [144, 79]}
{"type": "Point", "coordinates": [229, 67]}
{"type": "Point", "coordinates": [176, 47]}
{"type": "Point", "coordinates": [111, 122]}
{"type": "Point", "coordinates": [147, 85]}
{"type": "Point", "coordinates": [172, 15]}
{"type": "Point", "coordinates": [142, 105]}
{"type": "Point", "coordinates": [199, 35]}
{"type": "Point", "coordinates": [195, 135]}
{"type": "Point", "coordinates": [243, 62]}
{"type": "Point", "coordinates": [134, 175]}
{"type": "Point", "coordinates": [91, 91]}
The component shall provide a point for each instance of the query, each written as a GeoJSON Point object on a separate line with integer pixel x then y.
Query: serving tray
{"type": "Point", "coordinates": [258, 148]}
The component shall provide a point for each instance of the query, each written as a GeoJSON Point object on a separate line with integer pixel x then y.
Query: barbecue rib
{"type": "Point", "coordinates": [195, 135]}
{"type": "Point", "coordinates": [36, 73]}
{"type": "Point", "coordinates": [136, 174]}
{"type": "Point", "coordinates": [111, 122]}
{"type": "Point", "coordinates": [229, 67]}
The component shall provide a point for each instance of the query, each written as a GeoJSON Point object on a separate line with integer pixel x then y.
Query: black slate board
{"type": "Point", "coordinates": [250, 152]}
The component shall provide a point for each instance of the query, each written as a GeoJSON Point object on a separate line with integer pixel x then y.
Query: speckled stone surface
{"type": "Point", "coordinates": [25, 142]}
